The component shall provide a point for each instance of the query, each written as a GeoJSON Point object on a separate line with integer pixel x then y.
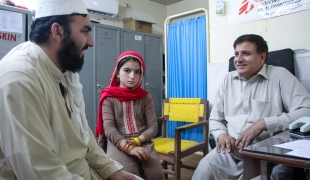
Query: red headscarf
{"type": "Point", "coordinates": [121, 94]}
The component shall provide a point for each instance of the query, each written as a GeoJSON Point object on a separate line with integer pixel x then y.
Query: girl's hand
{"type": "Point", "coordinates": [133, 142]}
{"type": "Point", "coordinates": [141, 153]}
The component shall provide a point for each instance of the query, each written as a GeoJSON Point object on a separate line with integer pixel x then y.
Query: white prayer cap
{"type": "Point", "coordinates": [47, 8]}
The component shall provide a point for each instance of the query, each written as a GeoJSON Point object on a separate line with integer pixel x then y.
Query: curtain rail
{"type": "Point", "coordinates": [167, 21]}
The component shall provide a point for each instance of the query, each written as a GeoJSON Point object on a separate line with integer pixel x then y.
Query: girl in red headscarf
{"type": "Point", "coordinates": [126, 117]}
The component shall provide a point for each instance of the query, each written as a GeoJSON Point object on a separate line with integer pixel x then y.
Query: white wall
{"type": "Point", "coordinates": [141, 10]}
{"type": "Point", "coordinates": [288, 31]}
{"type": "Point", "coordinates": [186, 5]}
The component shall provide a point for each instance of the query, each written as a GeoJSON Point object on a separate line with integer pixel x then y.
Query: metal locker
{"type": "Point", "coordinates": [99, 63]}
{"type": "Point", "coordinates": [150, 48]}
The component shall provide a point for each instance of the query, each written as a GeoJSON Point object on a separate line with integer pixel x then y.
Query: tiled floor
{"type": "Point", "coordinates": [186, 174]}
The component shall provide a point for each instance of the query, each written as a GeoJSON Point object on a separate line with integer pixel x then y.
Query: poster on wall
{"type": "Point", "coordinates": [11, 21]}
{"type": "Point", "coordinates": [243, 11]}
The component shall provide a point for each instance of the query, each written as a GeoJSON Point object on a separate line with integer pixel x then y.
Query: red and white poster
{"type": "Point", "coordinates": [243, 11]}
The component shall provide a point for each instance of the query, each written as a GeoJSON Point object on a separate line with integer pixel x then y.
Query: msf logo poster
{"type": "Point", "coordinates": [242, 11]}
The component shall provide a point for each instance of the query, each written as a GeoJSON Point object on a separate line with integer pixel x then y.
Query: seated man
{"type": "Point", "coordinates": [251, 104]}
{"type": "Point", "coordinates": [43, 129]}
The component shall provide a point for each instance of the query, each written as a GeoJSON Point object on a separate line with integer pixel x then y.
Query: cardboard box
{"type": "Point", "coordinates": [137, 25]}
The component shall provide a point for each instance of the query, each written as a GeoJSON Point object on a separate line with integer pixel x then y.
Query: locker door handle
{"type": "Point", "coordinates": [99, 87]}
{"type": "Point", "coordinates": [147, 85]}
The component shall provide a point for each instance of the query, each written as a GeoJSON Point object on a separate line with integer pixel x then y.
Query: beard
{"type": "Point", "coordinates": [69, 56]}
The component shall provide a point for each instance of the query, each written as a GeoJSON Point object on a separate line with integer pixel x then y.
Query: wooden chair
{"type": "Point", "coordinates": [172, 150]}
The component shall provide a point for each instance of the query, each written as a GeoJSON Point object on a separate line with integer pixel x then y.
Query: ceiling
{"type": "Point", "coordinates": [166, 2]}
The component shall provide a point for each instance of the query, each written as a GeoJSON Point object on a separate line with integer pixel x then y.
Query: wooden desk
{"type": "Point", "coordinates": [257, 156]}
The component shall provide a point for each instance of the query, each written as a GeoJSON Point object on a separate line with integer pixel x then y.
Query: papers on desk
{"type": "Point", "coordinates": [300, 148]}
